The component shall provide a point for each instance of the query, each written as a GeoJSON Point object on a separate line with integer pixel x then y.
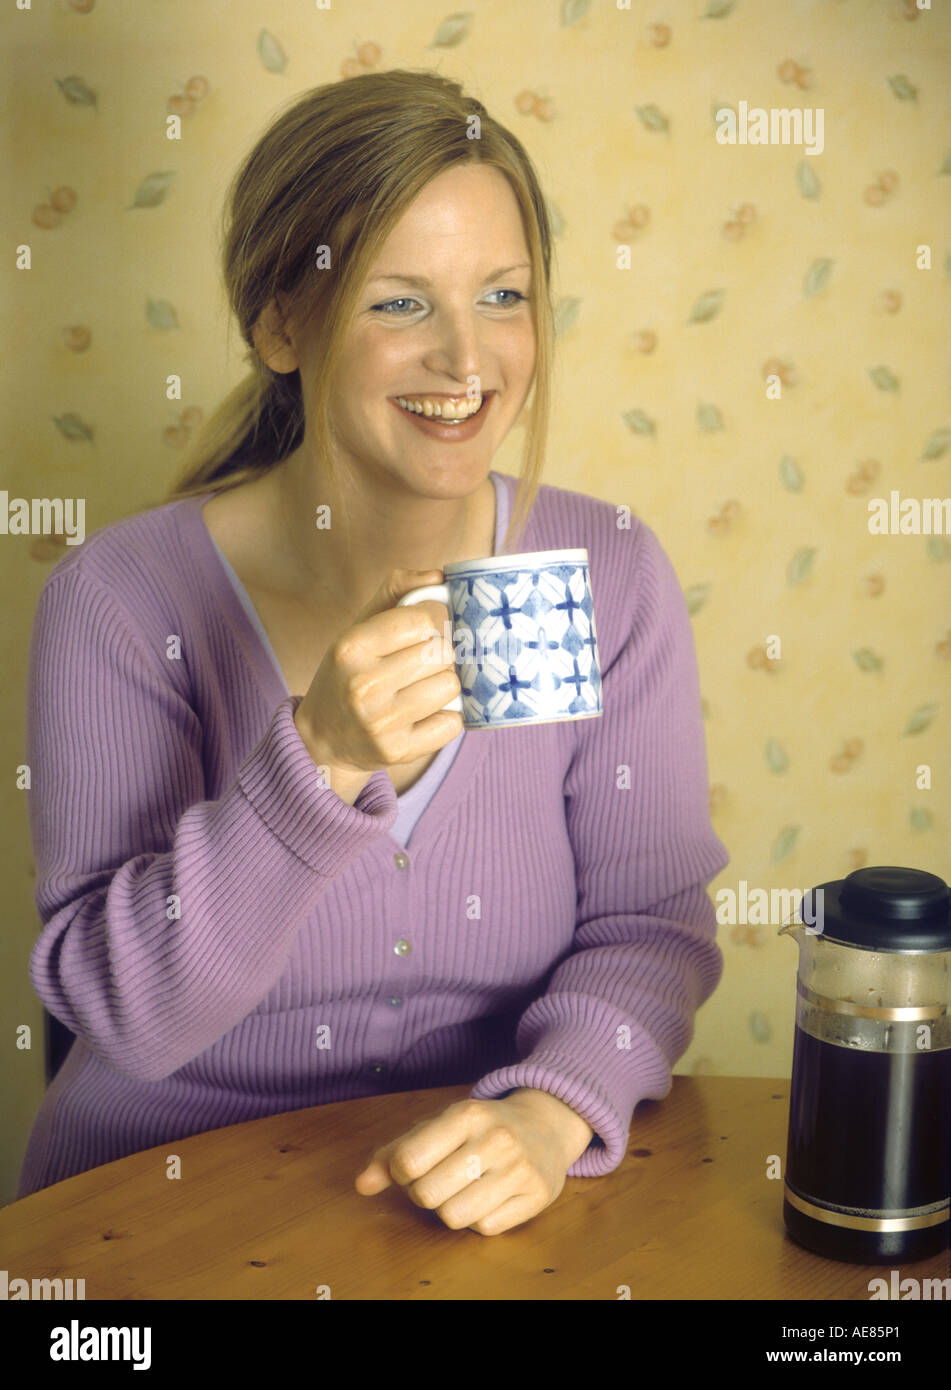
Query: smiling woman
{"type": "Point", "coordinates": [450, 365]}
{"type": "Point", "coordinates": [273, 869]}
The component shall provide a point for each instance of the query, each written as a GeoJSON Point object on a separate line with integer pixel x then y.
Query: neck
{"type": "Point", "coordinates": [368, 526]}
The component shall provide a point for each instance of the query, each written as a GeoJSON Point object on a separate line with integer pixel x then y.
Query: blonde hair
{"type": "Point", "coordinates": [339, 168]}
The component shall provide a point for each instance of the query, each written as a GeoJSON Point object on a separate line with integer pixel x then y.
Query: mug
{"type": "Point", "coordinates": [529, 651]}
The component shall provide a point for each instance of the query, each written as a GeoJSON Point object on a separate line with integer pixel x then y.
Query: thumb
{"type": "Point", "coordinates": [375, 1176]}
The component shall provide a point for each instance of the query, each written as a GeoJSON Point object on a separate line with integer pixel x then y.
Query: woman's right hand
{"type": "Point", "coordinates": [378, 695]}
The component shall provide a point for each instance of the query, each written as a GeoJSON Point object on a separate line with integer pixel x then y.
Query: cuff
{"type": "Point", "coordinates": [283, 784]}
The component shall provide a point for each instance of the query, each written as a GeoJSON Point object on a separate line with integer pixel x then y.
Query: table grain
{"type": "Point", "coordinates": [268, 1210]}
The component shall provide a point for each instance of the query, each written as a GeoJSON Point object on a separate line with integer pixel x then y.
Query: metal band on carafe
{"type": "Point", "coordinates": [871, 1027]}
{"type": "Point", "coordinates": [911, 1219]}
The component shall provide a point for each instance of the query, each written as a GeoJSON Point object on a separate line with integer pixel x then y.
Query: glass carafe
{"type": "Point", "coordinates": [868, 1157]}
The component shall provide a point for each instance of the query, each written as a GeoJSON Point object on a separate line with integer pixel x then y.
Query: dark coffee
{"type": "Point", "coordinates": [868, 1130]}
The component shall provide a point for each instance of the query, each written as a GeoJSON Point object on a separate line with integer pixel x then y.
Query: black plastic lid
{"type": "Point", "coordinates": [884, 909]}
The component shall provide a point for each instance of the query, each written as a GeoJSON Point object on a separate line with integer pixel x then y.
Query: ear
{"type": "Point", "coordinates": [270, 338]}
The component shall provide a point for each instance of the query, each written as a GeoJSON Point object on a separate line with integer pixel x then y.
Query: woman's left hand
{"type": "Point", "coordinates": [486, 1164]}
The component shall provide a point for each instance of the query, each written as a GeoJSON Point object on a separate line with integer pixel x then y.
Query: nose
{"type": "Point", "coordinates": [457, 348]}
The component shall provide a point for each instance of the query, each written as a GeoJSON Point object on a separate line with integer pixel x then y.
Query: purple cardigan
{"type": "Point", "coordinates": [228, 939]}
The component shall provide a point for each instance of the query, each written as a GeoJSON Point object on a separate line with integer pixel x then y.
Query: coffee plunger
{"type": "Point", "coordinates": [868, 1157]}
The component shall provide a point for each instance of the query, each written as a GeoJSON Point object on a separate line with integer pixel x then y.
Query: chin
{"type": "Point", "coordinates": [446, 480]}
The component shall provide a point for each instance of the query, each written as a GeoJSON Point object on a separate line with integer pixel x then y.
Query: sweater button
{"type": "Point", "coordinates": [396, 1003]}
{"type": "Point", "coordinates": [402, 947]}
{"type": "Point", "coordinates": [375, 1068]}
{"type": "Point", "coordinates": [401, 860]}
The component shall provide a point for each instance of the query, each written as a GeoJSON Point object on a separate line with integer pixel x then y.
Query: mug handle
{"type": "Point", "coordinates": [439, 593]}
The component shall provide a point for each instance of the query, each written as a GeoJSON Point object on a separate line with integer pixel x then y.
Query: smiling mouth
{"type": "Point", "coordinates": [417, 409]}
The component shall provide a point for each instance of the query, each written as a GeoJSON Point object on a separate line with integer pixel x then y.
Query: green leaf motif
{"type": "Point", "coordinates": [920, 719]}
{"type": "Point", "coordinates": [76, 92]}
{"type": "Point", "coordinates": [160, 313]}
{"type": "Point", "coordinates": [709, 418]}
{"type": "Point", "coordinates": [759, 1027]}
{"type": "Point", "coordinates": [72, 426]}
{"type": "Point", "coordinates": [903, 88]}
{"type": "Point", "coordinates": [270, 52]}
{"type": "Point", "coordinates": [790, 474]}
{"type": "Point", "coordinates": [556, 220]}
{"type": "Point", "coordinates": [938, 548]}
{"type": "Point", "coordinates": [652, 117]}
{"type": "Point", "coordinates": [919, 818]}
{"type": "Point", "coordinates": [707, 307]}
{"type": "Point", "coordinates": [573, 10]}
{"type": "Point", "coordinates": [937, 445]}
{"type": "Point", "coordinates": [455, 27]}
{"type": "Point", "coordinates": [784, 843]}
{"type": "Point", "coordinates": [817, 277]}
{"type": "Point", "coordinates": [883, 378]}
{"type": "Point", "coordinates": [777, 758]}
{"type": "Point", "coordinates": [808, 180]}
{"type": "Point", "coordinates": [566, 315]}
{"type": "Point", "coordinates": [800, 566]}
{"type": "Point", "coordinates": [718, 9]}
{"type": "Point", "coordinates": [866, 660]}
{"type": "Point", "coordinates": [152, 190]}
{"type": "Point", "coordinates": [637, 422]}
{"type": "Point", "coordinates": [696, 596]}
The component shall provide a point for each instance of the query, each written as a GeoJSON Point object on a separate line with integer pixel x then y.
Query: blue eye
{"type": "Point", "coordinates": [380, 308]}
{"type": "Point", "coordinates": [517, 295]}
{"type": "Point", "coordinates": [386, 307]}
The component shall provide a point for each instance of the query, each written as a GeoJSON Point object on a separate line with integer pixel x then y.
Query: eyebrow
{"type": "Point", "coordinates": [422, 283]}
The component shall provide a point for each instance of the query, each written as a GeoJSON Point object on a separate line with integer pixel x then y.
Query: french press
{"type": "Point", "coordinates": [868, 1157]}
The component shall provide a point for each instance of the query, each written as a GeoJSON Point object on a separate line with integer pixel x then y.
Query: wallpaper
{"type": "Point", "coordinates": [753, 291]}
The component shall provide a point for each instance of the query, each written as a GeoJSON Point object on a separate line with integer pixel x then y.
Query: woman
{"type": "Point", "coordinates": [273, 871]}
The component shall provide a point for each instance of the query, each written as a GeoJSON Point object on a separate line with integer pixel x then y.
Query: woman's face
{"type": "Point", "coordinates": [468, 326]}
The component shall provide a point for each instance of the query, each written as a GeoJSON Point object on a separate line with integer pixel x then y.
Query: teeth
{"type": "Point", "coordinates": [449, 411]}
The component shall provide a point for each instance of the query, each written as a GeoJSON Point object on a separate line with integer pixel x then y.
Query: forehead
{"type": "Point", "coordinates": [464, 209]}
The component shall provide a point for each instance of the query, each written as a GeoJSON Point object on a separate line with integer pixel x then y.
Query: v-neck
{"type": "Point", "coordinates": [455, 783]}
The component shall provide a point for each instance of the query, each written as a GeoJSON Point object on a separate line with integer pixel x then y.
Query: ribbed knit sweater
{"type": "Point", "coordinates": [229, 939]}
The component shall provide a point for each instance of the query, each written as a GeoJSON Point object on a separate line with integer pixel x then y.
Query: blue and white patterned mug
{"type": "Point", "coordinates": [524, 641]}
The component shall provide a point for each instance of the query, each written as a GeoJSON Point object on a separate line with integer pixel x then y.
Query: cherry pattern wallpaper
{"type": "Point", "coordinates": [750, 201]}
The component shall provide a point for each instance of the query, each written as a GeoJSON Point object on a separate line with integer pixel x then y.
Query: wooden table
{"type": "Point", "coordinates": [268, 1210]}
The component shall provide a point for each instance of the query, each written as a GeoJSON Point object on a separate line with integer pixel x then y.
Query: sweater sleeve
{"type": "Point", "coordinates": [167, 917]}
{"type": "Point", "coordinates": [619, 1009]}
